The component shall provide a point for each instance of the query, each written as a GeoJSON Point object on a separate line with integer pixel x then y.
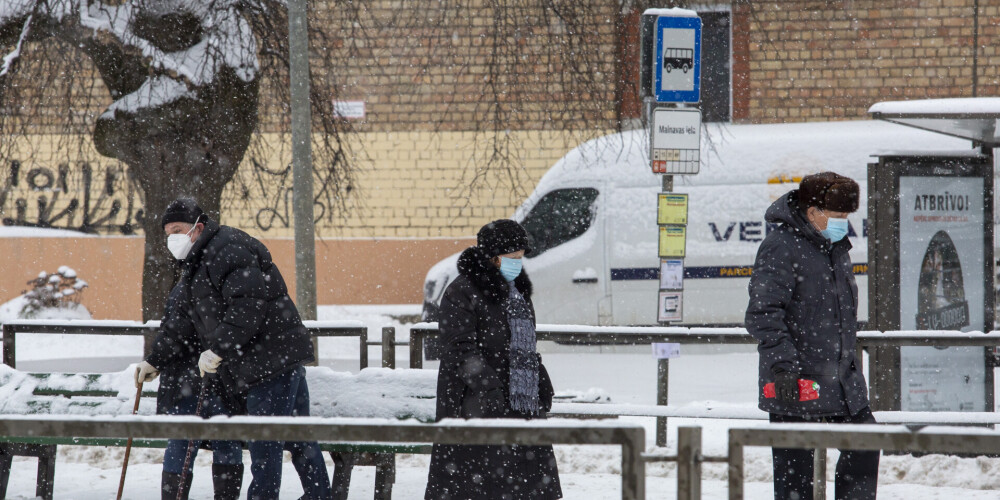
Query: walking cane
{"type": "Point", "coordinates": [191, 443]}
{"type": "Point", "coordinates": [128, 447]}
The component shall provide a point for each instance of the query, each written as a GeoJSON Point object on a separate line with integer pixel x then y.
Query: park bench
{"type": "Point", "coordinates": [375, 392]}
{"type": "Point", "coordinates": [372, 393]}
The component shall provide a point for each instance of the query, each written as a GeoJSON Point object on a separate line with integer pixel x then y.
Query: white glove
{"type": "Point", "coordinates": [145, 372]}
{"type": "Point", "coordinates": [208, 362]}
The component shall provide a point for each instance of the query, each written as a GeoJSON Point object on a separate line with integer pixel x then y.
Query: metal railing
{"type": "Point", "coordinates": [631, 437]}
{"type": "Point", "coordinates": [704, 336]}
{"type": "Point", "coordinates": [149, 330]}
{"type": "Point", "coordinates": [851, 437]}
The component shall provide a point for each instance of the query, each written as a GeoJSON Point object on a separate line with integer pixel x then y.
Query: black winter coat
{"type": "Point", "coordinates": [232, 300]}
{"type": "Point", "coordinates": [803, 311]}
{"type": "Point", "coordinates": [473, 382]}
{"type": "Point", "coordinates": [177, 349]}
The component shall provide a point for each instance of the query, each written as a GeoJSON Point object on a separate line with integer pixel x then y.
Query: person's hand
{"type": "Point", "coordinates": [786, 386]}
{"type": "Point", "coordinates": [208, 362]}
{"type": "Point", "coordinates": [145, 372]}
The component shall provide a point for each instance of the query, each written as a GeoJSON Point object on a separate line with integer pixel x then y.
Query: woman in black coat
{"type": "Point", "coordinates": [490, 369]}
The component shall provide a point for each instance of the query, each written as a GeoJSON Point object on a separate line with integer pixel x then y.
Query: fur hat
{"type": "Point", "coordinates": [183, 209]}
{"type": "Point", "coordinates": [829, 191]}
{"type": "Point", "coordinates": [501, 236]}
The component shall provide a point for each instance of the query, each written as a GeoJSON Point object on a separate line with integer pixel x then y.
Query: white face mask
{"type": "Point", "coordinates": [180, 244]}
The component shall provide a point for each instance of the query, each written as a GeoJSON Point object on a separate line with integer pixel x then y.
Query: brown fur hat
{"type": "Point", "coordinates": [829, 191]}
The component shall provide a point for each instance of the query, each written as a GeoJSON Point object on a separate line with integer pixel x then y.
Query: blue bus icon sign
{"type": "Point", "coordinates": [677, 61]}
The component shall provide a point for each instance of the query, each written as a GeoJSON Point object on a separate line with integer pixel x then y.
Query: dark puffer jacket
{"type": "Point", "coordinates": [176, 354]}
{"type": "Point", "coordinates": [473, 382]}
{"type": "Point", "coordinates": [803, 311]}
{"type": "Point", "coordinates": [238, 306]}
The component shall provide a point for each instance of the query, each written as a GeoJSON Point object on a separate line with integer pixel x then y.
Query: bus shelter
{"type": "Point", "coordinates": [931, 256]}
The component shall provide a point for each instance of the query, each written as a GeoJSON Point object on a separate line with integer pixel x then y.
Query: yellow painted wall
{"type": "Point", "coordinates": [414, 185]}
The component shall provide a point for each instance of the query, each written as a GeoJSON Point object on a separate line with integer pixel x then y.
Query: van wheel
{"type": "Point", "coordinates": [685, 68]}
{"type": "Point", "coordinates": [668, 68]}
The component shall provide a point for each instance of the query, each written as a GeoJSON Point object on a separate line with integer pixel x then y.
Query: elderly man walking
{"type": "Point", "coordinates": [803, 312]}
{"type": "Point", "coordinates": [250, 335]}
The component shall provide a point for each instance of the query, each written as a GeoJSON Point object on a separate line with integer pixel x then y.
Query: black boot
{"type": "Point", "coordinates": [172, 488]}
{"type": "Point", "coordinates": [228, 480]}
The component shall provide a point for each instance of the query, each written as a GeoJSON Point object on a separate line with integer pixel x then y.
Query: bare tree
{"type": "Point", "coordinates": [183, 79]}
{"type": "Point", "coordinates": [183, 90]}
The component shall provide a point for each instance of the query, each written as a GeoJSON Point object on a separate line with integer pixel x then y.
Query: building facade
{"type": "Point", "coordinates": [423, 86]}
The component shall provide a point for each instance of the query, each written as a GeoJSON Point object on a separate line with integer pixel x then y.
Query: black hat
{"type": "Point", "coordinates": [829, 191]}
{"type": "Point", "coordinates": [502, 236]}
{"type": "Point", "coordinates": [182, 209]}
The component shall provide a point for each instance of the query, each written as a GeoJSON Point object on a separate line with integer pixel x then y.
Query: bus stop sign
{"type": "Point", "coordinates": [677, 59]}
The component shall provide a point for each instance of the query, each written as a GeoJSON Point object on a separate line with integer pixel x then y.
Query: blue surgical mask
{"type": "Point", "coordinates": [835, 230]}
{"type": "Point", "coordinates": [510, 268]}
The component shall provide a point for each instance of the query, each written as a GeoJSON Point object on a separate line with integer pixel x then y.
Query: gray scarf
{"type": "Point", "coordinates": [523, 358]}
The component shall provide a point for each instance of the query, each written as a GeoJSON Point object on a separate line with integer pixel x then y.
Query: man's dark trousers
{"type": "Point", "coordinates": [284, 395]}
{"type": "Point", "coordinates": [857, 470]}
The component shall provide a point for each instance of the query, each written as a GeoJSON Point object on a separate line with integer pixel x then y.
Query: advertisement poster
{"type": "Point", "coordinates": [941, 288]}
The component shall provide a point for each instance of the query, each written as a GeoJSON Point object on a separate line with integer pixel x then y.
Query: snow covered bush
{"type": "Point", "coordinates": [53, 296]}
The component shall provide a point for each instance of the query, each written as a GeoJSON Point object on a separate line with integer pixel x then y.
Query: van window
{"type": "Point", "coordinates": [558, 217]}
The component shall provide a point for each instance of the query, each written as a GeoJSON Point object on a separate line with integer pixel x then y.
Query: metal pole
{"type": "Point", "coordinates": [735, 468]}
{"type": "Point", "coordinates": [416, 349]}
{"type": "Point", "coordinates": [819, 473]}
{"type": "Point", "coordinates": [662, 384]}
{"type": "Point", "coordinates": [388, 347]}
{"type": "Point", "coordinates": [363, 340]}
{"type": "Point", "coordinates": [302, 189]}
{"type": "Point", "coordinates": [689, 463]}
{"type": "Point", "coordinates": [633, 468]}
{"type": "Point", "coordinates": [9, 358]}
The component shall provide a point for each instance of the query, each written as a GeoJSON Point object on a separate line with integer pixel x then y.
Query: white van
{"type": "Point", "coordinates": [592, 218]}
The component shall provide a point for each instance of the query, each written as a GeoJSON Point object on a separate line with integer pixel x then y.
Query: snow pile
{"type": "Point", "coordinates": [53, 296]}
{"type": "Point", "coordinates": [671, 12]}
{"type": "Point", "coordinates": [372, 393]}
{"type": "Point", "coordinates": [17, 394]}
{"type": "Point", "coordinates": [12, 309]}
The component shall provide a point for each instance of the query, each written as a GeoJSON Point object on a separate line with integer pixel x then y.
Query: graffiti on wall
{"type": "Point", "coordinates": [266, 197]}
{"type": "Point", "coordinates": [104, 199]}
{"type": "Point", "coordinates": [80, 198]}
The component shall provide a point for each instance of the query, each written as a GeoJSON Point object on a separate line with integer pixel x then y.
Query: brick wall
{"type": "Point", "coordinates": [426, 64]}
{"type": "Point", "coordinates": [819, 60]}
{"type": "Point", "coordinates": [424, 75]}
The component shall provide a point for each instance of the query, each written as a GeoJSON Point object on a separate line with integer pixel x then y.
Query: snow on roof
{"type": "Point", "coordinates": [972, 153]}
{"type": "Point", "coordinates": [673, 12]}
{"type": "Point", "coordinates": [956, 106]}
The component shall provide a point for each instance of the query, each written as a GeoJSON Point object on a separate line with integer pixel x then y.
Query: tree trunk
{"type": "Point", "coordinates": [160, 270]}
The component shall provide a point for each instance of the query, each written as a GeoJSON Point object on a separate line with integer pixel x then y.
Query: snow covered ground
{"type": "Point", "coordinates": [625, 373]}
